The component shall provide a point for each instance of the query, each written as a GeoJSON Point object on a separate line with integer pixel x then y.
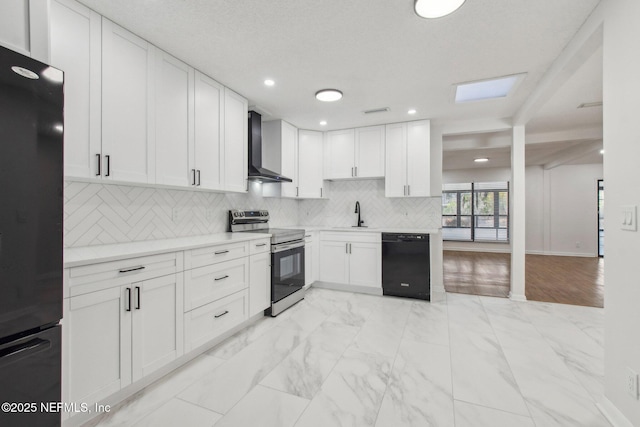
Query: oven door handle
{"type": "Point", "coordinates": [286, 247]}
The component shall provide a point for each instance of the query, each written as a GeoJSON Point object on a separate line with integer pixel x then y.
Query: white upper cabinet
{"type": "Point", "coordinates": [24, 27]}
{"type": "Point", "coordinates": [127, 104]}
{"type": "Point", "coordinates": [75, 49]}
{"type": "Point", "coordinates": [339, 158]}
{"type": "Point", "coordinates": [369, 156]}
{"type": "Point", "coordinates": [174, 132]}
{"type": "Point", "coordinates": [408, 159]}
{"type": "Point", "coordinates": [235, 142]}
{"type": "Point", "coordinates": [207, 155]}
{"type": "Point", "coordinates": [355, 153]}
{"type": "Point", "coordinates": [310, 164]}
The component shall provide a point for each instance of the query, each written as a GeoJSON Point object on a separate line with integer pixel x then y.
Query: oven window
{"type": "Point", "coordinates": [290, 266]}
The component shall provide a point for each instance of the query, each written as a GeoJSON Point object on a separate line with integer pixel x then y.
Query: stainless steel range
{"type": "Point", "coordinates": [287, 257]}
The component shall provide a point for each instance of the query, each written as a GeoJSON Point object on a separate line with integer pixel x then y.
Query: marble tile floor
{"type": "Point", "coordinates": [344, 359]}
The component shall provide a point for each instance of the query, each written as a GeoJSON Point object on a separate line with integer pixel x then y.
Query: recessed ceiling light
{"type": "Point", "coordinates": [328, 95]}
{"type": "Point", "coordinates": [323, 123]}
{"type": "Point", "coordinates": [412, 111]}
{"type": "Point", "coordinates": [25, 73]}
{"type": "Point", "coordinates": [481, 159]}
{"type": "Point", "coordinates": [269, 82]}
{"type": "Point", "coordinates": [602, 151]}
{"type": "Point", "coordinates": [58, 127]}
{"type": "Point", "coordinates": [499, 87]}
{"type": "Point", "coordinates": [436, 8]}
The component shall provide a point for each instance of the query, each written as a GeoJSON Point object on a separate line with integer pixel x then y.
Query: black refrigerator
{"type": "Point", "coordinates": [31, 212]}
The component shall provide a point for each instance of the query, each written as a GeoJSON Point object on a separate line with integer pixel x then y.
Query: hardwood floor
{"type": "Point", "coordinates": [560, 279]}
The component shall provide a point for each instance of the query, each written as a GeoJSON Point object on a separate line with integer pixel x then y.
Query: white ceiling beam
{"type": "Point", "coordinates": [565, 135]}
{"type": "Point", "coordinates": [464, 127]}
{"type": "Point", "coordinates": [573, 153]}
{"type": "Point", "coordinates": [586, 41]}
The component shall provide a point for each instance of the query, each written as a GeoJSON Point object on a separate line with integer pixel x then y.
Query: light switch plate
{"type": "Point", "coordinates": [629, 218]}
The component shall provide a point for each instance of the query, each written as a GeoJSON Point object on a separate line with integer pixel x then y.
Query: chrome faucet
{"type": "Point", "coordinates": [360, 222]}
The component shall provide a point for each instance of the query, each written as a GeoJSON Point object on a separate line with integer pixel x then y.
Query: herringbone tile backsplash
{"type": "Point", "coordinates": [97, 214]}
{"type": "Point", "coordinates": [338, 210]}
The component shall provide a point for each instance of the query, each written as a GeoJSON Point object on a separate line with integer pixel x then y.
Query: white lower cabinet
{"type": "Point", "coordinates": [351, 258]}
{"type": "Point", "coordinates": [205, 323]}
{"type": "Point", "coordinates": [156, 324]}
{"type": "Point", "coordinates": [119, 335]}
{"type": "Point", "coordinates": [97, 335]}
{"type": "Point", "coordinates": [260, 283]}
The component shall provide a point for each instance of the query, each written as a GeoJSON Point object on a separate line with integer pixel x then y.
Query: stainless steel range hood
{"type": "Point", "coordinates": [256, 171]}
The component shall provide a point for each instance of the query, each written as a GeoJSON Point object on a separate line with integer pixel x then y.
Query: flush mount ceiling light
{"type": "Point", "coordinates": [328, 95]}
{"type": "Point", "coordinates": [481, 159]}
{"type": "Point", "coordinates": [481, 90]}
{"type": "Point", "coordinates": [412, 111]}
{"type": "Point", "coordinates": [323, 123]}
{"type": "Point", "coordinates": [269, 82]}
{"type": "Point", "coordinates": [25, 73]}
{"type": "Point", "coordinates": [601, 151]}
{"type": "Point", "coordinates": [436, 8]}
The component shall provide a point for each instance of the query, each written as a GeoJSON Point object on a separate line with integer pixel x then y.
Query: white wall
{"type": "Point", "coordinates": [561, 208]}
{"type": "Point", "coordinates": [621, 88]}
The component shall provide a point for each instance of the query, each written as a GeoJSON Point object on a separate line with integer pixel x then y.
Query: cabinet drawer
{"type": "Point", "coordinates": [259, 246]}
{"type": "Point", "coordinates": [350, 237]}
{"type": "Point", "coordinates": [207, 284]}
{"type": "Point", "coordinates": [195, 258]}
{"type": "Point", "coordinates": [208, 322]}
{"type": "Point", "coordinates": [94, 277]}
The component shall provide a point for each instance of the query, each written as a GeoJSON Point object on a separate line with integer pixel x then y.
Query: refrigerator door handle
{"type": "Point", "coordinates": [22, 351]}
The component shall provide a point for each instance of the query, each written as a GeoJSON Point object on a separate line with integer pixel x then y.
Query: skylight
{"type": "Point", "coordinates": [486, 89]}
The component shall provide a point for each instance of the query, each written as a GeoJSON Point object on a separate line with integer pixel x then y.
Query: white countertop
{"type": "Point", "coordinates": [85, 255]}
{"type": "Point", "coordinates": [415, 230]}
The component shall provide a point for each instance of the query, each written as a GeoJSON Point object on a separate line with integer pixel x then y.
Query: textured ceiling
{"type": "Point", "coordinates": [378, 52]}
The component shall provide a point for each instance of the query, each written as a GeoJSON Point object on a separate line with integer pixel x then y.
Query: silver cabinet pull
{"type": "Point", "coordinates": [356, 171]}
{"type": "Point", "coordinates": [221, 278]}
{"type": "Point", "coordinates": [198, 177]}
{"type": "Point", "coordinates": [99, 164]}
{"type": "Point", "coordinates": [128, 270]}
{"type": "Point", "coordinates": [320, 192]}
{"type": "Point", "coordinates": [193, 178]}
{"type": "Point", "coordinates": [221, 314]}
{"type": "Point", "coordinates": [220, 252]}
{"type": "Point", "coordinates": [408, 190]}
{"type": "Point", "coordinates": [108, 159]}
{"type": "Point", "coordinates": [138, 300]}
{"type": "Point", "coordinates": [297, 192]}
{"type": "Point", "coordinates": [346, 248]}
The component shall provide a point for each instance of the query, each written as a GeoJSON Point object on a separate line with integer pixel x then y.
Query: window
{"type": "Point", "coordinates": [476, 212]}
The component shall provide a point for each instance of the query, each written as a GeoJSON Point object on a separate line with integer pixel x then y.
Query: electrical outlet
{"type": "Point", "coordinates": [175, 214]}
{"type": "Point", "coordinates": [632, 383]}
{"type": "Point", "coordinates": [578, 245]}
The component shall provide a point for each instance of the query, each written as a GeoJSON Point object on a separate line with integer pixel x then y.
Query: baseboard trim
{"type": "Point", "coordinates": [348, 288]}
{"type": "Point", "coordinates": [502, 251]}
{"type": "Point", "coordinates": [517, 297]}
{"type": "Point", "coordinates": [613, 414]}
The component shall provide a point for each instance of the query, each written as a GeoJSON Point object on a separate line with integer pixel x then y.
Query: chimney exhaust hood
{"type": "Point", "coordinates": [256, 171]}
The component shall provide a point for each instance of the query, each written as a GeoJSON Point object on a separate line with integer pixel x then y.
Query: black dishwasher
{"type": "Point", "coordinates": [406, 265]}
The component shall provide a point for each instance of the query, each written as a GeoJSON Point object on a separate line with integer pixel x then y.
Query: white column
{"type": "Point", "coordinates": [517, 215]}
{"type": "Point", "coordinates": [437, 277]}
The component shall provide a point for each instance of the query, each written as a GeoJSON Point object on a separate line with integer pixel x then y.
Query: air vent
{"type": "Point", "coordinates": [590, 104]}
{"type": "Point", "coordinates": [377, 110]}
